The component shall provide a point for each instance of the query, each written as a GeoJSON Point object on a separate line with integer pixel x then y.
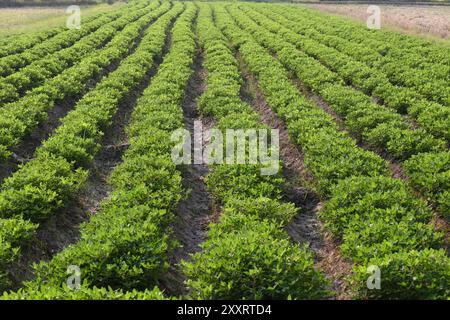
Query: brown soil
{"type": "Point", "coordinates": [195, 212]}
{"type": "Point", "coordinates": [441, 224]}
{"type": "Point", "coordinates": [305, 227]}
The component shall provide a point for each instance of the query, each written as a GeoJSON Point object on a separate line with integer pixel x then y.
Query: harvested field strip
{"type": "Point", "coordinates": [429, 21]}
{"type": "Point", "coordinates": [132, 238]}
{"type": "Point", "coordinates": [414, 51]}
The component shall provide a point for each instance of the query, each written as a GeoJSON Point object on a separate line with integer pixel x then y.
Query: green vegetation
{"type": "Point", "coordinates": [353, 180]}
{"type": "Point", "coordinates": [247, 254]}
{"type": "Point", "coordinates": [368, 110]}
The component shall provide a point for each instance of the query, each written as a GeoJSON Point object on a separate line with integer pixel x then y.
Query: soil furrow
{"type": "Point", "coordinates": [305, 227]}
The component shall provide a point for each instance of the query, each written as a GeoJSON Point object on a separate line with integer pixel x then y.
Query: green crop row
{"type": "Point", "coordinates": [34, 74]}
{"type": "Point", "coordinates": [43, 185]}
{"type": "Point", "coordinates": [21, 117]}
{"type": "Point", "coordinates": [83, 293]}
{"type": "Point", "coordinates": [247, 255]}
{"type": "Point", "coordinates": [378, 218]}
{"type": "Point", "coordinates": [434, 117]}
{"type": "Point", "coordinates": [329, 84]}
{"type": "Point", "coordinates": [430, 80]}
{"type": "Point", "coordinates": [379, 126]}
{"type": "Point", "coordinates": [12, 63]}
{"type": "Point", "coordinates": [23, 42]}
{"type": "Point", "coordinates": [430, 173]}
{"type": "Point", "coordinates": [125, 245]}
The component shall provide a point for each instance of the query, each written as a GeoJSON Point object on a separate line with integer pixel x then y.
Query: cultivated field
{"type": "Point", "coordinates": [319, 169]}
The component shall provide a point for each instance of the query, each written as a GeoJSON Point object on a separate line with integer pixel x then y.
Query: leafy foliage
{"type": "Point", "coordinates": [58, 171]}
{"type": "Point", "coordinates": [379, 219]}
{"type": "Point", "coordinates": [247, 255]}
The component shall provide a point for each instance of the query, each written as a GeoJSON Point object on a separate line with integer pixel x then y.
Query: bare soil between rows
{"type": "Point", "coordinates": [195, 211]}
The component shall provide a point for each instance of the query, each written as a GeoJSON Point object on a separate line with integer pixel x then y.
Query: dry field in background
{"type": "Point", "coordinates": [423, 20]}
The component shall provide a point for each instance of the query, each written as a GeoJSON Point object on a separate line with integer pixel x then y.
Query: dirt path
{"type": "Point", "coordinates": [305, 227]}
{"type": "Point", "coordinates": [194, 212]}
